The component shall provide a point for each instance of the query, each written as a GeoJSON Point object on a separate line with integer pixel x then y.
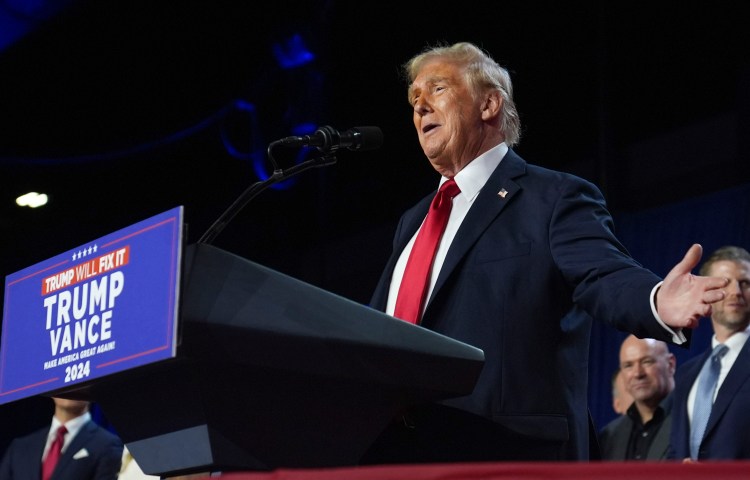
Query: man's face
{"type": "Point", "coordinates": [75, 407]}
{"type": "Point", "coordinates": [732, 313]}
{"type": "Point", "coordinates": [648, 368]}
{"type": "Point", "coordinates": [447, 117]}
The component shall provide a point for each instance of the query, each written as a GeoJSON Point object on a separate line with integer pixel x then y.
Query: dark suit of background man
{"type": "Point", "coordinates": [528, 254]}
{"type": "Point", "coordinates": [90, 452]}
{"type": "Point", "coordinates": [727, 434]}
{"type": "Point", "coordinates": [647, 368]}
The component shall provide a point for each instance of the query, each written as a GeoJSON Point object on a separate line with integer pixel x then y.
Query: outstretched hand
{"type": "Point", "coordinates": [684, 298]}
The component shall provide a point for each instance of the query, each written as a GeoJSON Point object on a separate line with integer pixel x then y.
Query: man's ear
{"type": "Point", "coordinates": [492, 104]}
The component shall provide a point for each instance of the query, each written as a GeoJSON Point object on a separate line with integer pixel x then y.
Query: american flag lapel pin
{"type": "Point", "coordinates": [502, 193]}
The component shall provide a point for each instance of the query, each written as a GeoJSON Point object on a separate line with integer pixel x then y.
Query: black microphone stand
{"type": "Point", "coordinates": [278, 175]}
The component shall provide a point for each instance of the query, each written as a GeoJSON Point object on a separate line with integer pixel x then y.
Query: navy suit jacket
{"type": "Point", "coordinates": [727, 434]}
{"type": "Point", "coordinates": [23, 459]}
{"type": "Point", "coordinates": [527, 270]}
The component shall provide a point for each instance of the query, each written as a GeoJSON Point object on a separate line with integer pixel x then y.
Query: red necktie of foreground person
{"type": "Point", "coordinates": [413, 290]}
{"type": "Point", "coordinates": [55, 450]}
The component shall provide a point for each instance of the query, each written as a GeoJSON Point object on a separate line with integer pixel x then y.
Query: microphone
{"type": "Point", "coordinates": [328, 139]}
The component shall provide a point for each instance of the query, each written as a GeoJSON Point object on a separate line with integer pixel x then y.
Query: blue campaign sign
{"type": "Point", "coordinates": [104, 307]}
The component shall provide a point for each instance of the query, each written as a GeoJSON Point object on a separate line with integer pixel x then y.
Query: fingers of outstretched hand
{"type": "Point", "coordinates": [715, 283]}
{"type": "Point", "coordinates": [713, 295]}
{"type": "Point", "coordinates": [689, 261]}
{"type": "Point", "coordinates": [691, 258]}
{"type": "Point", "coordinates": [712, 291]}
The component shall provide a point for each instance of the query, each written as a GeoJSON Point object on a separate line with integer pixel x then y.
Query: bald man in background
{"type": "Point", "coordinates": [647, 367]}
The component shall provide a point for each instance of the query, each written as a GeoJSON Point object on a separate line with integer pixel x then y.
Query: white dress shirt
{"type": "Point", "coordinates": [74, 426]}
{"type": "Point", "coordinates": [470, 181]}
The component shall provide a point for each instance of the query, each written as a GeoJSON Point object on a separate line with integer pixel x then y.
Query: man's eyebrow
{"type": "Point", "coordinates": [429, 81]}
{"type": "Point", "coordinates": [436, 79]}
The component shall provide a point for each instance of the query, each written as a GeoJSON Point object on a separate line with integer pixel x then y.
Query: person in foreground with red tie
{"type": "Point", "coordinates": [526, 258]}
{"type": "Point", "coordinates": [74, 447]}
{"type": "Point", "coordinates": [710, 418]}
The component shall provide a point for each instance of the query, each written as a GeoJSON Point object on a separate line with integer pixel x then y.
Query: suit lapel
{"type": "Point", "coordinates": [680, 420]}
{"type": "Point", "coordinates": [689, 374]}
{"type": "Point", "coordinates": [496, 193]}
{"type": "Point", "coordinates": [660, 444]}
{"type": "Point", "coordinates": [40, 440]}
{"type": "Point", "coordinates": [620, 439]}
{"type": "Point", "coordinates": [81, 440]}
{"type": "Point", "coordinates": [735, 379]}
{"type": "Point", "coordinates": [408, 224]}
{"type": "Point", "coordinates": [492, 199]}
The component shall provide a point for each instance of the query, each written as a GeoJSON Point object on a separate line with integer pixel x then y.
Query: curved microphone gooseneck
{"type": "Point", "coordinates": [326, 139]}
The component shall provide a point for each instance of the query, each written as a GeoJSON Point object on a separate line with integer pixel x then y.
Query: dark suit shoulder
{"type": "Point", "coordinates": [518, 166]}
{"type": "Point", "coordinates": [100, 431]}
{"type": "Point", "coordinates": [31, 439]}
{"type": "Point", "coordinates": [22, 458]}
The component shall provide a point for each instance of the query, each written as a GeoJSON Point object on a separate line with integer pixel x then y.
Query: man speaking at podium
{"type": "Point", "coordinates": [527, 258]}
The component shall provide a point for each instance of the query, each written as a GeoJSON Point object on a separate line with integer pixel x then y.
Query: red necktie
{"type": "Point", "coordinates": [413, 290]}
{"type": "Point", "coordinates": [55, 450]}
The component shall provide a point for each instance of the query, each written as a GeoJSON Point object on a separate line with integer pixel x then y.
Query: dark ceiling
{"type": "Point", "coordinates": [123, 109]}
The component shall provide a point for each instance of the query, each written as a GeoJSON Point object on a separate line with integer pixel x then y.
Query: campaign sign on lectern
{"type": "Point", "coordinates": [106, 306]}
